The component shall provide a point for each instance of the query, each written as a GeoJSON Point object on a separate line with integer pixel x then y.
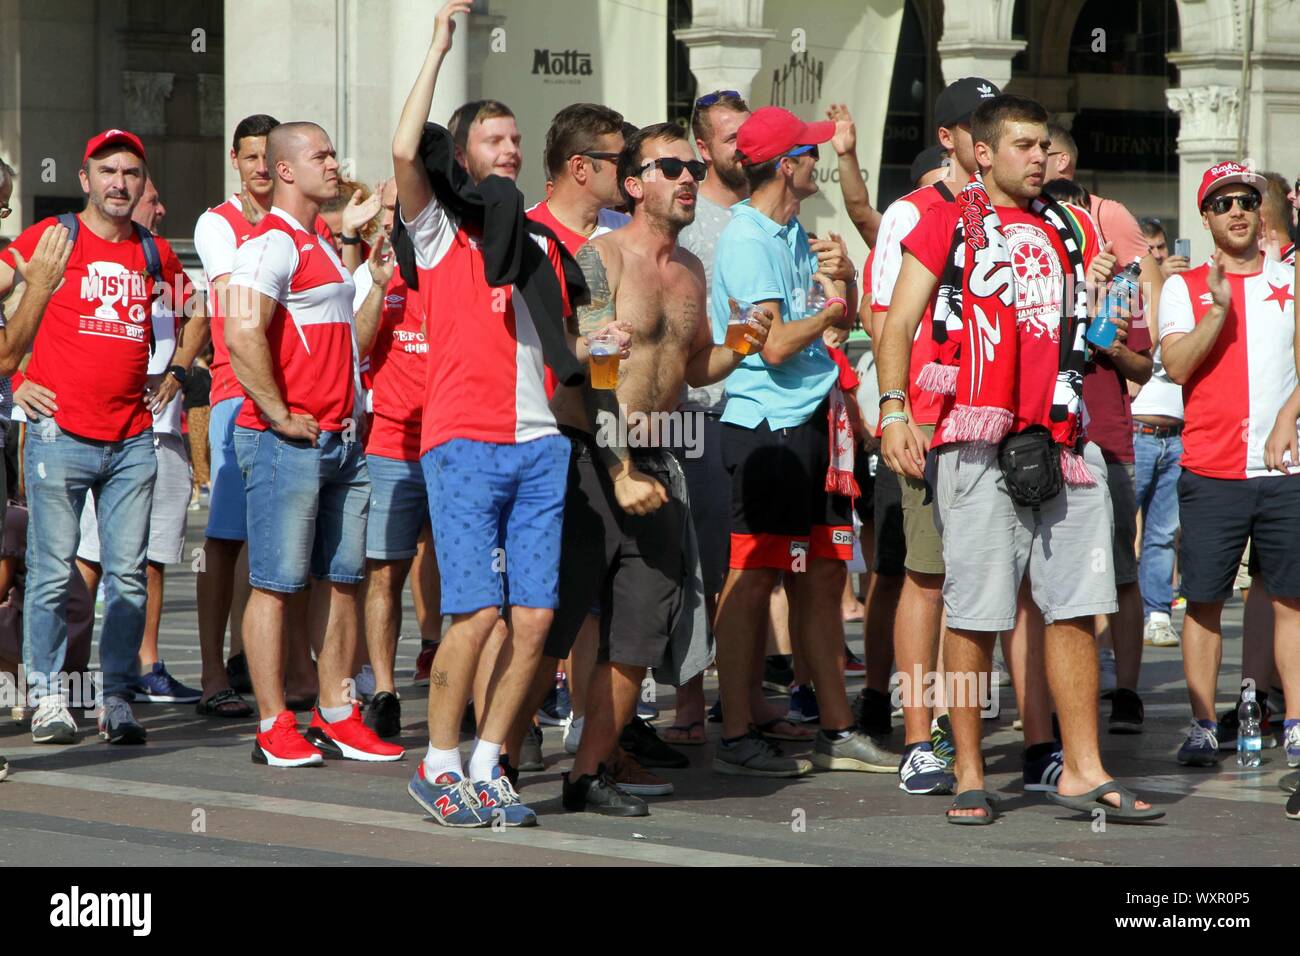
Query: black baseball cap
{"type": "Point", "coordinates": [930, 158]}
{"type": "Point", "coordinates": [958, 100]}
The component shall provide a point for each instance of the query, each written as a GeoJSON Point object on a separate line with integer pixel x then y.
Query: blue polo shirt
{"type": "Point", "coordinates": [758, 260]}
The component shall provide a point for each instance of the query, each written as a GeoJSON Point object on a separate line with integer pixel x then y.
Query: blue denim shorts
{"type": "Point", "coordinates": [399, 508]}
{"type": "Point", "coordinates": [307, 509]}
{"type": "Point", "coordinates": [497, 512]}
{"type": "Point", "coordinates": [227, 514]}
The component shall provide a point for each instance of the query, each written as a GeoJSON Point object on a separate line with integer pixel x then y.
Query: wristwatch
{"type": "Point", "coordinates": [178, 372]}
{"type": "Point", "coordinates": [349, 240]}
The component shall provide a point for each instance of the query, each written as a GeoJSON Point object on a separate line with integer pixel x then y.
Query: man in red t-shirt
{"type": "Point", "coordinates": [289, 332]}
{"type": "Point", "coordinates": [990, 542]}
{"type": "Point", "coordinates": [92, 353]}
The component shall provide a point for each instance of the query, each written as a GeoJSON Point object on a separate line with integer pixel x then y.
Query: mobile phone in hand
{"type": "Point", "coordinates": [1183, 247]}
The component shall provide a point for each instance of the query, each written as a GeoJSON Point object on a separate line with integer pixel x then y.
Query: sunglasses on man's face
{"type": "Point", "coordinates": [1219, 205]}
{"type": "Point", "coordinates": [709, 99]}
{"type": "Point", "coordinates": [5, 211]}
{"type": "Point", "coordinates": [672, 168]}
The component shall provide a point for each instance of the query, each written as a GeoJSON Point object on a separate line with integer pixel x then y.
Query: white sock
{"type": "Point", "coordinates": [267, 724]}
{"type": "Point", "coordinates": [437, 762]}
{"type": "Point", "coordinates": [332, 715]}
{"type": "Point", "coordinates": [483, 759]}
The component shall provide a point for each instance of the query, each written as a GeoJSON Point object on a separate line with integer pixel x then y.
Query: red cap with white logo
{"type": "Point", "coordinates": [771, 132]}
{"type": "Point", "coordinates": [1221, 174]}
{"type": "Point", "coordinates": [114, 137]}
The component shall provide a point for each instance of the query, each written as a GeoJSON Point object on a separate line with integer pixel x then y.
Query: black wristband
{"type": "Point", "coordinates": [349, 240]}
{"type": "Point", "coordinates": [178, 372]}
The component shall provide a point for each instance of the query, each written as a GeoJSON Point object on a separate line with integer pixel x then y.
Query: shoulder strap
{"type": "Point", "coordinates": [942, 188]}
{"type": "Point", "coordinates": [152, 260]}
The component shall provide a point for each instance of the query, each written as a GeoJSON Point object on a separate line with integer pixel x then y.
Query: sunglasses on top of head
{"type": "Point", "coordinates": [672, 167]}
{"type": "Point", "coordinates": [1219, 205]}
{"type": "Point", "coordinates": [709, 99]}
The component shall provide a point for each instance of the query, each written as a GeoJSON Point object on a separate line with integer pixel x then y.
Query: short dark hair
{"type": "Point", "coordinates": [259, 124]}
{"type": "Point", "coordinates": [1067, 190]}
{"type": "Point", "coordinates": [575, 129]}
{"type": "Point", "coordinates": [702, 127]}
{"type": "Point", "coordinates": [1060, 136]}
{"type": "Point", "coordinates": [475, 111]}
{"type": "Point", "coordinates": [1274, 194]}
{"type": "Point", "coordinates": [990, 117]}
{"type": "Point", "coordinates": [761, 173]}
{"type": "Point", "coordinates": [1151, 227]}
{"type": "Point", "coordinates": [630, 160]}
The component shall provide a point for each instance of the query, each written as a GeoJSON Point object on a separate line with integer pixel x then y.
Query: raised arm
{"type": "Point", "coordinates": [369, 303]}
{"type": "Point", "coordinates": [43, 275]}
{"type": "Point", "coordinates": [1183, 350]}
{"type": "Point", "coordinates": [857, 201]}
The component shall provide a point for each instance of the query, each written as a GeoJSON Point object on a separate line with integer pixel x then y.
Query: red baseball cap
{"type": "Point", "coordinates": [1221, 174]}
{"type": "Point", "coordinates": [114, 137]}
{"type": "Point", "coordinates": [771, 131]}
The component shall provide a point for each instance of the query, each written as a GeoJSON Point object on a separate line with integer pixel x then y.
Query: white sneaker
{"type": "Point", "coordinates": [1106, 663]}
{"type": "Point", "coordinates": [1159, 631]}
{"type": "Point", "coordinates": [52, 723]}
{"type": "Point", "coordinates": [572, 733]}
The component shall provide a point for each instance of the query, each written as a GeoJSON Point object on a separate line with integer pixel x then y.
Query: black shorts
{"type": "Point", "coordinates": [1219, 515]}
{"type": "Point", "coordinates": [864, 470]}
{"type": "Point", "coordinates": [779, 504]}
{"type": "Point", "coordinates": [890, 541]}
{"type": "Point", "coordinates": [630, 565]}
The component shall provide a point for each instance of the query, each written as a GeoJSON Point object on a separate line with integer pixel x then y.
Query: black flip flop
{"type": "Point", "coordinates": [212, 706]}
{"type": "Point", "coordinates": [686, 729]}
{"type": "Point", "coordinates": [1126, 812]}
{"type": "Point", "coordinates": [974, 800]}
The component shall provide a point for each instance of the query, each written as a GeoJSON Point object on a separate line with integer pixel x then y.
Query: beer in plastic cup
{"type": "Point", "coordinates": [738, 326]}
{"type": "Point", "coordinates": [605, 354]}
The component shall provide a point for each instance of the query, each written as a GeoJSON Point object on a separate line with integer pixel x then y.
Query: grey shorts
{"type": "Point", "coordinates": [989, 543]}
{"type": "Point", "coordinates": [168, 514]}
{"type": "Point", "coordinates": [1119, 479]}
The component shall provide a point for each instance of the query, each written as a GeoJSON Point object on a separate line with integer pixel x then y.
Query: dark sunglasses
{"type": "Point", "coordinates": [709, 99]}
{"type": "Point", "coordinates": [672, 168]}
{"type": "Point", "coordinates": [595, 154]}
{"type": "Point", "coordinates": [801, 150]}
{"type": "Point", "coordinates": [1219, 205]}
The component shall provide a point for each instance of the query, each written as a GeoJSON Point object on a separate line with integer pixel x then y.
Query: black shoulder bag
{"type": "Point", "coordinates": [1031, 465]}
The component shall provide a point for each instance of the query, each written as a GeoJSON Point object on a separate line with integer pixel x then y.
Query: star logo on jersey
{"type": "Point", "coordinates": [1281, 294]}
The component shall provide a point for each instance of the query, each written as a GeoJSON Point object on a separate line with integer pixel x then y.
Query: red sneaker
{"type": "Point", "coordinates": [350, 739]}
{"type": "Point", "coordinates": [423, 663]}
{"type": "Point", "coordinates": [283, 746]}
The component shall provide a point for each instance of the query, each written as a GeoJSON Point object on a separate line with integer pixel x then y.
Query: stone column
{"type": "Point", "coordinates": [1207, 134]}
{"type": "Point", "coordinates": [977, 40]}
{"type": "Point", "coordinates": [411, 32]}
{"type": "Point", "coordinates": [725, 43]}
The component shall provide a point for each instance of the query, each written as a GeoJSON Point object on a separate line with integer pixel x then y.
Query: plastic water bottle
{"type": "Point", "coordinates": [1249, 742]}
{"type": "Point", "coordinates": [815, 299]}
{"type": "Point", "coordinates": [1121, 294]}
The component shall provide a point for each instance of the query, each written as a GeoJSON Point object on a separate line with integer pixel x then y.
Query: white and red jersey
{"type": "Point", "coordinates": [310, 335]}
{"type": "Point", "coordinates": [395, 369]}
{"type": "Point", "coordinates": [1232, 399]}
{"type": "Point", "coordinates": [485, 378]}
{"type": "Point", "coordinates": [883, 264]}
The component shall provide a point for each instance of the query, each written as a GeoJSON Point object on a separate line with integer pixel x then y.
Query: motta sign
{"type": "Point", "coordinates": [561, 63]}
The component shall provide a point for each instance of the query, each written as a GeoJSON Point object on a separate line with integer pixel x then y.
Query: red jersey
{"type": "Point", "coordinates": [313, 352]}
{"type": "Point", "coordinates": [397, 365]}
{"type": "Point", "coordinates": [92, 348]}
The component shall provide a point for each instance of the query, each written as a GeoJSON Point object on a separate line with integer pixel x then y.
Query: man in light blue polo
{"type": "Point", "coordinates": [776, 448]}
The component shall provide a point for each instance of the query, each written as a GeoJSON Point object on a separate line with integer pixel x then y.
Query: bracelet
{"type": "Point", "coordinates": [891, 418]}
{"type": "Point", "coordinates": [836, 298]}
{"type": "Point", "coordinates": [349, 240]}
{"type": "Point", "coordinates": [893, 395]}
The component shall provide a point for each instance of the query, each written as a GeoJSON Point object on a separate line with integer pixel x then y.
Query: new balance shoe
{"type": "Point", "coordinates": [753, 755]}
{"type": "Point", "coordinates": [572, 734]}
{"type": "Point", "coordinates": [284, 746]}
{"type": "Point", "coordinates": [237, 674]}
{"type": "Point", "coordinates": [778, 673]}
{"type": "Point", "coordinates": [159, 687]}
{"type": "Point", "coordinates": [1159, 631]}
{"type": "Point", "coordinates": [803, 705]}
{"type": "Point", "coordinates": [853, 665]}
{"type": "Point", "coordinates": [635, 779]}
{"type": "Point", "coordinates": [640, 740]}
{"type": "Point", "coordinates": [1201, 748]}
{"type": "Point", "coordinates": [497, 800]}
{"type": "Point", "coordinates": [1126, 712]}
{"type": "Point", "coordinates": [646, 710]}
{"type": "Point", "coordinates": [857, 752]}
{"type": "Point", "coordinates": [598, 793]}
{"type": "Point", "coordinates": [424, 662]}
{"type": "Point", "coordinates": [52, 723]}
{"type": "Point", "coordinates": [450, 799]}
{"type": "Point", "coordinates": [920, 772]}
{"type": "Point", "coordinates": [350, 739]}
{"type": "Point", "coordinates": [941, 739]}
{"type": "Point", "coordinates": [557, 706]}
{"type": "Point", "coordinates": [1291, 739]}
{"type": "Point", "coordinates": [117, 724]}
{"type": "Point", "coordinates": [530, 752]}
{"type": "Point", "coordinates": [384, 715]}
{"type": "Point", "coordinates": [1042, 774]}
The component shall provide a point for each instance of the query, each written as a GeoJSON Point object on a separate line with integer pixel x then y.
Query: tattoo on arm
{"type": "Point", "coordinates": [601, 404]}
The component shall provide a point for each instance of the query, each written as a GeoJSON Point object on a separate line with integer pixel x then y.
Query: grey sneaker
{"type": "Point", "coordinates": [52, 723]}
{"type": "Point", "coordinates": [530, 753]}
{"type": "Point", "coordinates": [854, 752]}
{"type": "Point", "coordinates": [117, 724]}
{"type": "Point", "coordinates": [753, 755]}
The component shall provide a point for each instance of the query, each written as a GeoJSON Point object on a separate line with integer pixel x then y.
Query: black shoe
{"type": "Point", "coordinates": [237, 674]}
{"type": "Point", "coordinates": [599, 794]}
{"type": "Point", "coordinates": [1126, 712]}
{"type": "Point", "coordinates": [384, 715]}
{"type": "Point", "coordinates": [511, 773]}
{"type": "Point", "coordinates": [640, 740]}
{"type": "Point", "coordinates": [872, 713]}
{"type": "Point", "coordinates": [469, 723]}
{"type": "Point", "coordinates": [778, 673]}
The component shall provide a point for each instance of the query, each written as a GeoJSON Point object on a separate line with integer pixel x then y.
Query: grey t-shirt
{"type": "Point", "coordinates": [701, 238]}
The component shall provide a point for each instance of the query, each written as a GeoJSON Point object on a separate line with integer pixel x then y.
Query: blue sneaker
{"type": "Point", "coordinates": [498, 796]}
{"type": "Point", "coordinates": [450, 799]}
{"type": "Point", "coordinates": [921, 772]}
{"type": "Point", "coordinates": [803, 705]}
{"type": "Point", "coordinates": [1201, 748]}
{"type": "Point", "coordinates": [159, 687]}
{"type": "Point", "coordinates": [1041, 775]}
{"type": "Point", "coordinates": [555, 710]}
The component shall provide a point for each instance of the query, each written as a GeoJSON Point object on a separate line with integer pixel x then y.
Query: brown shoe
{"type": "Point", "coordinates": [634, 778]}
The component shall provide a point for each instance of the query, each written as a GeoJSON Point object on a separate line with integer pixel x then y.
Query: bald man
{"type": "Point", "coordinates": [298, 441]}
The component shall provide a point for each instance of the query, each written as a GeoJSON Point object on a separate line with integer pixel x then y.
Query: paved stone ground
{"type": "Point", "coordinates": [192, 796]}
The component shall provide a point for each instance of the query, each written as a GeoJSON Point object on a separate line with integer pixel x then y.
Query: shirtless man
{"type": "Point", "coordinates": [633, 498]}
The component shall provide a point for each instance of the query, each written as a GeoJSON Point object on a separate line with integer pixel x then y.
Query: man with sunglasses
{"type": "Point", "coordinates": [1228, 336]}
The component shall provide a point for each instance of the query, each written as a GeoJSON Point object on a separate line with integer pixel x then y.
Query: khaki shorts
{"type": "Point", "coordinates": [990, 543]}
{"type": "Point", "coordinates": [924, 544]}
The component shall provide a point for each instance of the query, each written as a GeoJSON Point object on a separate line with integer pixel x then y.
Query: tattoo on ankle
{"type": "Point", "coordinates": [438, 678]}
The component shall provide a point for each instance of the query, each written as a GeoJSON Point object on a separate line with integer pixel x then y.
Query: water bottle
{"type": "Point", "coordinates": [814, 299]}
{"type": "Point", "coordinates": [1121, 294]}
{"type": "Point", "coordinates": [1249, 742]}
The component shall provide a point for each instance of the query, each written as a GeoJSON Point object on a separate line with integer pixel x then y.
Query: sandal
{"type": "Point", "coordinates": [974, 800]}
{"type": "Point", "coordinates": [685, 736]}
{"type": "Point", "coordinates": [766, 729]}
{"type": "Point", "coordinates": [1126, 812]}
{"type": "Point", "coordinates": [224, 703]}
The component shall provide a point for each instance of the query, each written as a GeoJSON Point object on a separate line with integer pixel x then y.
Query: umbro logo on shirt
{"type": "Point", "coordinates": [1207, 298]}
{"type": "Point", "coordinates": [307, 247]}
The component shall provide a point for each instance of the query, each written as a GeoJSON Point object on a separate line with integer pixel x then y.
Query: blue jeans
{"type": "Point", "coordinates": [59, 469]}
{"type": "Point", "coordinates": [399, 508]}
{"type": "Point", "coordinates": [1155, 483]}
